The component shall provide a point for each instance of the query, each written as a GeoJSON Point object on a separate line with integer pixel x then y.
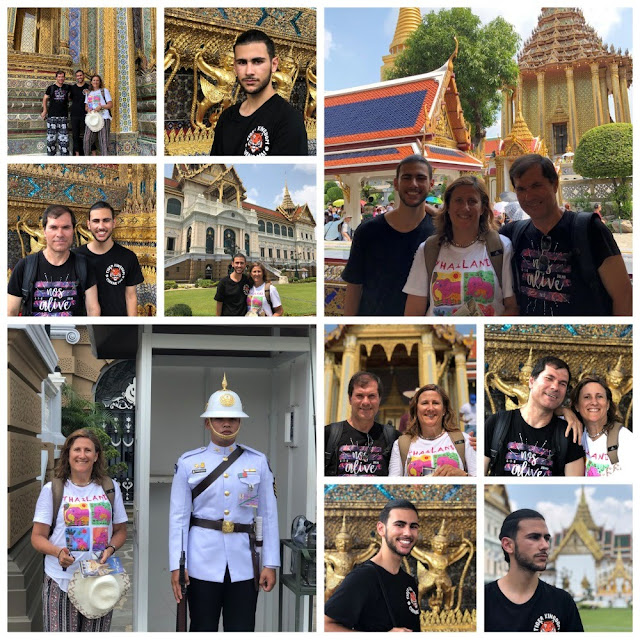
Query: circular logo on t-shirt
{"type": "Point", "coordinates": [547, 622]}
{"type": "Point", "coordinates": [258, 142]}
{"type": "Point", "coordinates": [412, 600]}
{"type": "Point", "coordinates": [115, 274]}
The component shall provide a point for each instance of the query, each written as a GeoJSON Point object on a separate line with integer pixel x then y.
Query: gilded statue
{"type": "Point", "coordinates": [340, 562]}
{"type": "Point", "coordinates": [37, 241]}
{"type": "Point", "coordinates": [516, 394]}
{"type": "Point", "coordinates": [219, 93]}
{"type": "Point", "coordinates": [435, 577]}
{"type": "Point", "coordinates": [310, 102]}
{"type": "Point", "coordinates": [285, 77]}
{"type": "Point", "coordinates": [171, 59]}
{"type": "Point", "coordinates": [83, 235]}
{"type": "Point", "coordinates": [614, 378]}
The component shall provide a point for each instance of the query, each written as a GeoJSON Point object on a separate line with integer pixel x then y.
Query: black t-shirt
{"type": "Point", "coordinates": [274, 129]}
{"type": "Point", "coordinates": [559, 289]}
{"type": "Point", "coordinates": [380, 261]}
{"type": "Point", "coordinates": [56, 288]}
{"type": "Point", "coordinates": [77, 99]}
{"type": "Point", "coordinates": [58, 100]}
{"type": "Point", "coordinates": [115, 271]}
{"type": "Point", "coordinates": [549, 609]}
{"type": "Point", "coordinates": [361, 454]}
{"type": "Point", "coordinates": [233, 295]}
{"type": "Point", "coordinates": [528, 451]}
{"type": "Point", "coordinates": [359, 602]}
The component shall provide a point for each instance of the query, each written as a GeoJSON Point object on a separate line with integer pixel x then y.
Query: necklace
{"type": "Point", "coordinates": [597, 435]}
{"type": "Point", "coordinates": [77, 484]}
{"type": "Point", "coordinates": [434, 437]}
{"type": "Point", "coordinates": [464, 246]}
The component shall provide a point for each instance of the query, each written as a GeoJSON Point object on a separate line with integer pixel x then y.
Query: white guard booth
{"type": "Point", "coordinates": [177, 368]}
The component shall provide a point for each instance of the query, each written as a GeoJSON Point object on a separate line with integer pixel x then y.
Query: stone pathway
{"type": "Point", "coordinates": [122, 619]}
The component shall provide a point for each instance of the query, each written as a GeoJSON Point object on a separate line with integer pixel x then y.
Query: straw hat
{"type": "Point", "coordinates": [94, 121]}
{"type": "Point", "coordinates": [94, 597]}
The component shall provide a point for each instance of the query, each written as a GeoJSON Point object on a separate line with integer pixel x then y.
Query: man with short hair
{"type": "Point", "coordinates": [597, 209]}
{"type": "Point", "coordinates": [360, 446]}
{"type": "Point", "coordinates": [78, 92]}
{"type": "Point", "coordinates": [117, 268]}
{"type": "Point", "coordinates": [564, 263]}
{"type": "Point", "coordinates": [383, 247]}
{"type": "Point", "coordinates": [378, 595]}
{"type": "Point", "coordinates": [54, 281]}
{"type": "Point", "coordinates": [231, 294]}
{"type": "Point", "coordinates": [55, 111]}
{"type": "Point", "coordinates": [531, 441]}
{"type": "Point", "coordinates": [520, 601]}
{"type": "Point", "coordinates": [468, 415]}
{"type": "Point", "coordinates": [265, 124]}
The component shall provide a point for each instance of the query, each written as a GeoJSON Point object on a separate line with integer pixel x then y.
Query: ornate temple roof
{"type": "Point", "coordinates": [561, 39]}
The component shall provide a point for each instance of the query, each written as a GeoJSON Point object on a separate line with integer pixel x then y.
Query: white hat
{"type": "Point", "coordinates": [94, 121]}
{"type": "Point", "coordinates": [224, 404]}
{"type": "Point", "coordinates": [94, 597]}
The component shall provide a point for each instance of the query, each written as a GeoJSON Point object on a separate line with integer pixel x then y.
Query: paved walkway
{"type": "Point", "coordinates": [122, 619]}
{"type": "Point", "coordinates": [625, 243]}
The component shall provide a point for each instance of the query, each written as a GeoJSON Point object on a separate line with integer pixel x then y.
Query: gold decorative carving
{"type": "Point", "coordinates": [221, 93]}
{"type": "Point", "coordinates": [24, 410]}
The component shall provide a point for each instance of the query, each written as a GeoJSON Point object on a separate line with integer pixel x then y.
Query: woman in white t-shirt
{"type": "Point", "coordinates": [463, 281]}
{"type": "Point", "coordinates": [592, 401]}
{"type": "Point", "coordinates": [86, 527]}
{"type": "Point", "coordinates": [261, 292]}
{"type": "Point", "coordinates": [99, 100]}
{"type": "Point", "coordinates": [431, 450]}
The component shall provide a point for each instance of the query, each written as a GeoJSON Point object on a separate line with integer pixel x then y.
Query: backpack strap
{"type": "Point", "coordinates": [458, 442]}
{"type": "Point", "coordinates": [267, 293]}
{"type": "Point", "coordinates": [500, 429]}
{"type": "Point", "coordinates": [28, 279]}
{"type": "Point", "coordinates": [431, 251]}
{"type": "Point", "coordinates": [107, 486]}
{"type": "Point", "coordinates": [331, 469]}
{"type": "Point", "coordinates": [560, 444]}
{"type": "Point", "coordinates": [517, 228]}
{"type": "Point", "coordinates": [404, 442]}
{"type": "Point", "coordinates": [57, 488]}
{"type": "Point", "coordinates": [612, 442]}
{"type": "Point", "coordinates": [496, 252]}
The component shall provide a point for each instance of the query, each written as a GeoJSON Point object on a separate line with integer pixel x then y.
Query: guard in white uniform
{"type": "Point", "coordinates": [218, 524]}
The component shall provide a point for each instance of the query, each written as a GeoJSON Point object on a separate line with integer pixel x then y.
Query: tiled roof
{"type": "Point", "coordinates": [389, 110]}
{"type": "Point", "coordinates": [491, 145]}
{"type": "Point", "coordinates": [169, 182]}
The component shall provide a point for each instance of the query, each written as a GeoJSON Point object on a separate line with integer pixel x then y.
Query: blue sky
{"type": "Point", "coordinates": [356, 39]}
{"type": "Point", "coordinates": [265, 183]}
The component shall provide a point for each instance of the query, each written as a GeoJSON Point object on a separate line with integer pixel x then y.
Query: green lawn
{"type": "Point", "coordinates": [297, 299]}
{"type": "Point", "coordinates": [606, 619]}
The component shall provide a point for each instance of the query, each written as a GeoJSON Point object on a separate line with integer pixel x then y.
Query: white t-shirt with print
{"type": "Point", "coordinates": [425, 456]}
{"type": "Point", "coordinates": [257, 299]}
{"type": "Point", "coordinates": [597, 458]}
{"type": "Point", "coordinates": [460, 275]}
{"type": "Point", "coordinates": [94, 100]}
{"type": "Point", "coordinates": [84, 524]}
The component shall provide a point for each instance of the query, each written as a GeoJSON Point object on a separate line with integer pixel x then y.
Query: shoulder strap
{"type": "Point", "coordinates": [503, 422]}
{"type": "Point", "coordinates": [384, 594]}
{"type": "Point", "coordinates": [216, 473]}
{"type": "Point", "coordinates": [334, 436]}
{"type": "Point", "coordinates": [612, 442]}
{"type": "Point", "coordinates": [267, 293]}
{"type": "Point", "coordinates": [404, 442]}
{"type": "Point", "coordinates": [519, 227]}
{"type": "Point", "coordinates": [57, 488]}
{"type": "Point", "coordinates": [82, 270]}
{"type": "Point", "coordinates": [389, 434]}
{"type": "Point", "coordinates": [458, 442]}
{"type": "Point", "coordinates": [28, 279]}
{"type": "Point", "coordinates": [496, 252]}
{"type": "Point", "coordinates": [431, 250]}
{"type": "Point", "coordinates": [561, 444]}
{"type": "Point", "coordinates": [107, 485]}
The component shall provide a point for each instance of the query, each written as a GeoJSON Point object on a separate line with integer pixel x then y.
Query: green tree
{"type": "Point", "coordinates": [80, 413]}
{"type": "Point", "coordinates": [335, 193]}
{"type": "Point", "coordinates": [329, 184]}
{"type": "Point", "coordinates": [607, 152]}
{"type": "Point", "coordinates": [485, 63]}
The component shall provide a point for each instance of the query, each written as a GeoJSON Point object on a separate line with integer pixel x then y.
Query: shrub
{"type": "Point", "coordinates": [205, 284]}
{"type": "Point", "coordinates": [169, 284]}
{"type": "Point", "coordinates": [179, 310]}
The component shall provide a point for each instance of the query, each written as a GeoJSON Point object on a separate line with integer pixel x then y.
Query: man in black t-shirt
{"type": "Point", "coordinates": [378, 595]}
{"type": "Point", "coordinates": [54, 281]}
{"type": "Point", "coordinates": [558, 269]}
{"type": "Point", "coordinates": [78, 112]}
{"type": "Point", "coordinates": [55, 111]}
{"type": "Point", "coordinates": [531, 440]}
{"type": "Point", "coordinates": [231, 294]}
{"type": "Point", "coordinates": [520, 601]}
{"type": "Point", "coordinates": [360, 446]}
{"type": "Point", "coordinates": [265, 124]}
{"type": "Point", "coordinates": [117, 268]}
{"type": "Point", "coordinates": [383, 247]}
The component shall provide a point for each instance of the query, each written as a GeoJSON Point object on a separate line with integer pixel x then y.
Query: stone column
{"type": "Point", "coordinates": [427, 365]}
{"type": "Point", "coordinates": [595, 91]}
{"type": "Point", "coordinates": [615, 87]}
{"type": "Point", "coordinates": [329, 389]}
{"type": "Point", "coordinates": [64, 32]}
{"type": "Point", "coordinates": [504, 119]}
{"type": "Point", "coordinates": [500, 177]}
{"type": "Point", "coordinates": [572, 133]}
{"type": "Point", "coordinates": [541, 105]}
{"type": "Point", "coordinates": [11, 27]}
{"type": "Point", "coordinates": [624, 92]}
{"type": "Point", "coordinates": [349, 367]}
{"type": "Point", "coordinates": [352, 202]}
{"type": "Point", "coordinates": [604, 95]}
{"type": "Point", "coordinates": [462, 387]}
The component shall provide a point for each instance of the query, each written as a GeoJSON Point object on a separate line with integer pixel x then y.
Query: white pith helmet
{"type": "Point", "coordinates": [224, 404]}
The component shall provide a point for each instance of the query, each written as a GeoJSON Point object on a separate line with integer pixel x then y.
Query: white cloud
{"type": "Point", "coordinates": [329, 45]}
{"type": "Point", "coordinates": [603, 22]}
{"type": "Point", "coordinates": [252, 195]}
{"type": "Point", "coordinates": [308, 169]}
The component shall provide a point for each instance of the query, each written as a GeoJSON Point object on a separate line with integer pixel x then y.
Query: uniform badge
{"type": "Point", "coordinates": [199, 467]}
{"type": "Point", "coordinates": [115, 274]}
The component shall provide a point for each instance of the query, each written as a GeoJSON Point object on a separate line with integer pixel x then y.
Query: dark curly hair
{"type": "Point", "coordinates": [448, 418]}
{"type": "Point", "coordinates": [63, 469]}
{"type": "Point", "coordinates": [612, 411]}
{"type": "Point", "coordinates": [443, 221]}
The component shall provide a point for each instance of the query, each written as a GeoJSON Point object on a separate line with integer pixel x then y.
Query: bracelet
{"type": "Point", "coordinates": [110, 545]}
{"type": "Point", "coordinates": [59, 552]}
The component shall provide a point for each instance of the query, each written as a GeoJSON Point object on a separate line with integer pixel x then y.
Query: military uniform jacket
{"type": "Point", "coordinates": [246, 482]}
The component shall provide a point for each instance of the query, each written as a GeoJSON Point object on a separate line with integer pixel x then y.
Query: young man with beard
{"type": "Point", "coordinates": [265, 124]}
{"type": "Point", "coordinates": [231, 294]}
{"type": "Point", "coordinates": [520, 601]}
{"type": "Point", "coordinates": [79, 90]}
{"type": "Point", "coordinates": [383, 247]}
{"type": "Point", "coordinates": [116, 267]}
{"type": "Point", "coordinates": [378, 595]}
